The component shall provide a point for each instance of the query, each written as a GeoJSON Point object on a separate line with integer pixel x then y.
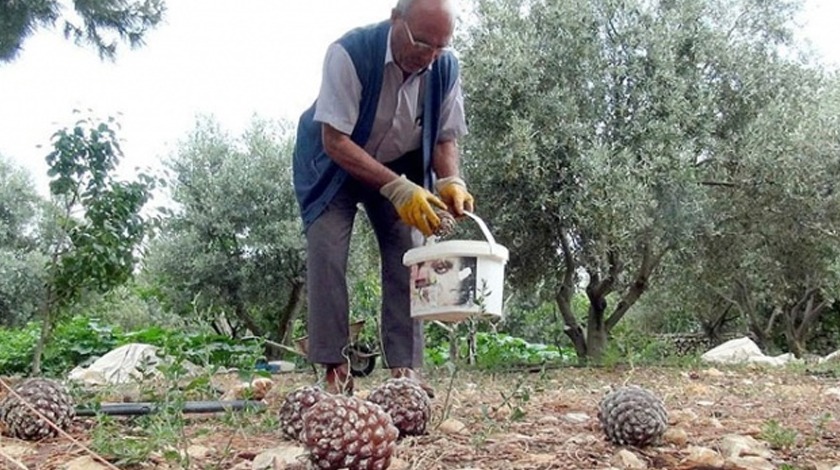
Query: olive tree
{"type": "Point", "coordinates": [777, 213]}
{"type": "Point", "coordinates": [589, 123]}
{"type": "Point", "coordinates": [21, 263]}
{"type": "Point", "coordinates": [233, 247]}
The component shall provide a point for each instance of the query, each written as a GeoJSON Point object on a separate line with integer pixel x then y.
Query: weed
{"type": "Point", "coordinates": [515, 401]}
{"type": "Point", "coordinates": [778, 436]}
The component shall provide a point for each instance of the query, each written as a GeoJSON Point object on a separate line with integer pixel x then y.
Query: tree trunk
{"type": "Point", "coordinates": [798, 320]}
{"type": "Point", "coordinates": [596, 331]}
{"type": "Point", "coordinates": [290, 311]}
{"type": "Point", "coordinates": [563, 298]}
{"type": "Point", "coordinates": [572, 328]}
{"type": "Point", "coordinates": [46, 330]}
{"type": "Point", "coordinates": [764, 331]}
{"type": "Point", "coordinates": [48, 316]}
{"type": "Point", "coordinates": [241, 312]}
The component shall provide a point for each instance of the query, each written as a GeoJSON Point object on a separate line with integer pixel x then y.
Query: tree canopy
{"type": "Point", "coordinates": [598, 129]}
{"type": "Point", "coordinates": [99, 23]}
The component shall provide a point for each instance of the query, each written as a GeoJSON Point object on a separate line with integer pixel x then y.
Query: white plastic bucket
{"type": "Point", "coordinates": [457, 279]}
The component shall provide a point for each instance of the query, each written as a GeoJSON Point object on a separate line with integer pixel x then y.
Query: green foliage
{"type": "Point", "coordinates": [777, 436]}
{"type": "Point", "coordinates": [99, 250]}
{"type": "Point", "coordinates": [497, 350]}
{"type": "Point", "coordinates": [129, 21]}
{"type": "Point", "coordinates": [97, 221]}
{"type": "Point", "coordinates": [22, 278]}
{"type": "Point", "coordinates": [535, 318]}
{"type": "Point", "coordinates": [630, 345]}
{"type": "Point", "coordinates": [515, 401]}
{"type": "Point", "coordinates": [233, 248]}
{"type": "Point", "coordinates": [16, 347]}
{"type": "Point", "coordinates": [130, 307]}
{"type": "Point", "coordinates": [75, 341]}
{"type": "Point", "coordinates": [79, 340]}
{"type": "Point", "coordinates": [21, 264]}
{"type": "Point", "coordinates": [18, 206]}
{"type": "Point", "coordinates": [199, 348]}
{"type": "Point", "coordinates": [609, 137]}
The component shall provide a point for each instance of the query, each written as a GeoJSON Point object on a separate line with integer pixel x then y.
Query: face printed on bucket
{"type": "Point", "coordinates": [443, 282]}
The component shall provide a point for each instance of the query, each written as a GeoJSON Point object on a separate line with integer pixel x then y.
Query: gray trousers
{"type": "Point", "coordinates": [328, 241]}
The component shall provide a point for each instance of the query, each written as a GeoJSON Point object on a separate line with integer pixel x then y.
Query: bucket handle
{"type": "Point", "coordinates": [484, 229]}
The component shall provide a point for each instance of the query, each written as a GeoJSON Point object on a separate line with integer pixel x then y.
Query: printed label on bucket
{"type": "Point", "coordinates": [443, 282]}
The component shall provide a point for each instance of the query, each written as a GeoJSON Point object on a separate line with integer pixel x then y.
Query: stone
{"type": "Point", "coordinates": [627, 460]}
{"type": "Point", "coordinates": [833, 391]}
{"type": "Point", "coordinates": [744, 351]}
{"type": "Point", "coordinates": [833, 357]}
{"type": "Point", "coordinates": [735, 445]}
{"type": "Point", "coordinates": [751, 463]}
{"type": "Point", "coordinates": [576, 418]}
{"type": "Point", "coordinates": [702, 456]}
{"type": "Point", "coordinates": [453, 427]}
{"type": "Point", "coordinates": [285, 454]}
{"type": "Point", "coordinates": [681, 416]}
{"type": "Point", "coordinates": [675, 436]}
{"type": "Point", "coordinates": [84, 463]}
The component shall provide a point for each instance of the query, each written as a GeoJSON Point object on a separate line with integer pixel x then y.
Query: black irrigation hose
{"type": "Point", "coordinates": [144, 408]}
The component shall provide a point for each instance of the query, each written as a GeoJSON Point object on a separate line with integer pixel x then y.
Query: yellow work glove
{"type": "Point", "coordinates": [414, 204]}
{"type": "Point", "coordinates": [453, 192]}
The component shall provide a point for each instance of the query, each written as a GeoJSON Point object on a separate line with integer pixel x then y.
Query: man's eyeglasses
{"type": "Point", "coordinates": [425, 47]}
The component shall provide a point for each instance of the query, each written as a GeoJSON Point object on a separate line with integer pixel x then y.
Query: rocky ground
{"type": "Point", "coordinates": [720, 418]}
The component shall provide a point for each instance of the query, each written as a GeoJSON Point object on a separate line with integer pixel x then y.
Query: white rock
{"type": "Point", "coordinates": [833, 357]}
{"type": "Point", "coordinates": [549, 420]}
{"type": "Point", "coordinates": [743, 350]}
{"type": "Point", "coordinates": [628, 460]}
{"type": "Point", "coordinates": [453, 426]}
{"type": "Point", "coordinates": [83, 463]}
{"type": "Point", "coordinates": [700, 456]}
{"type": "Point", "coordinates": [834, 391]}
{"type": "Point", "coordinates": [735, 445]}
{"type": "Point", "coordinates": [712, 372]}
{"type": "Point", "coordinates": [751, 463]}
{"type": "Point", "coordinates": [675, 436]}
{"type": "Point", "coordinates": [733, 351]}
{"type": "Point", "coordinates": [398, 464]}
{"type": "Point", "coordinates": [681, 416]}
{"type": "Point", "coordinates": [576, 418]}
{"type": "Point", "coordinates": [13, 449]}
{"type": "Point", "coordinates": [283, 454]}
{"type": "Point", "coordinates": [198, 452]}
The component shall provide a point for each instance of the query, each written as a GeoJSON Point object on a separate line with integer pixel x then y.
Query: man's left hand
{"type": "Point", "coordinates": [453, 192]}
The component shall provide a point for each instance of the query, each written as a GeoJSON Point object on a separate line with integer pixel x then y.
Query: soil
{"type": "Point", "coordinates": [529, 420]}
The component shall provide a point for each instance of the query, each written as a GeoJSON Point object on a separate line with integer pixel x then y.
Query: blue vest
{"type": "Point", "coordinates": [317, 178]}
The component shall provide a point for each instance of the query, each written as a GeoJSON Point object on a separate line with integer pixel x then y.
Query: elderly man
{"type": "Point", "coordinates": [382, 133]}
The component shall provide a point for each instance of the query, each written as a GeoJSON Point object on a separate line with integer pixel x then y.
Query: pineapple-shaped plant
{"type": "Point", "coordinates": [632, 416]}
{"type": "Point", "coordinates": [48, 397]}
{"type": "Point", "coordinates": [294, 405]}
{"type": "Point", "coordinates": [406, 402]}
{"type": "Point", "coordinates": [348, 432]}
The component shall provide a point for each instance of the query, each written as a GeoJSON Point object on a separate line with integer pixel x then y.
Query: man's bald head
{"type": "Point", "coordinates": [445, 8]}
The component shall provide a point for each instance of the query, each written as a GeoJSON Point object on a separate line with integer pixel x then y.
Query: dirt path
{"type": "Point", "coordinates": [540, 421]}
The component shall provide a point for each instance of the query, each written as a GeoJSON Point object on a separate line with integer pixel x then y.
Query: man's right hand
{"type": "Point", "coordinates": [414, 204]}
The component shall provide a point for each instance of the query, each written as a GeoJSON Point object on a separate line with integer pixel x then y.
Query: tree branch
{"type": "Point", "coordinates": [639, 285]}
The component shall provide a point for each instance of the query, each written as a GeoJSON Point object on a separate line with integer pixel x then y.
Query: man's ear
{"type": "Point", "coordinates": [394, 14]}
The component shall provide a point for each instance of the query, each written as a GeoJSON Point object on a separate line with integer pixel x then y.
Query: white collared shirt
{"type": "Point", "coordinates": [397, 126]}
